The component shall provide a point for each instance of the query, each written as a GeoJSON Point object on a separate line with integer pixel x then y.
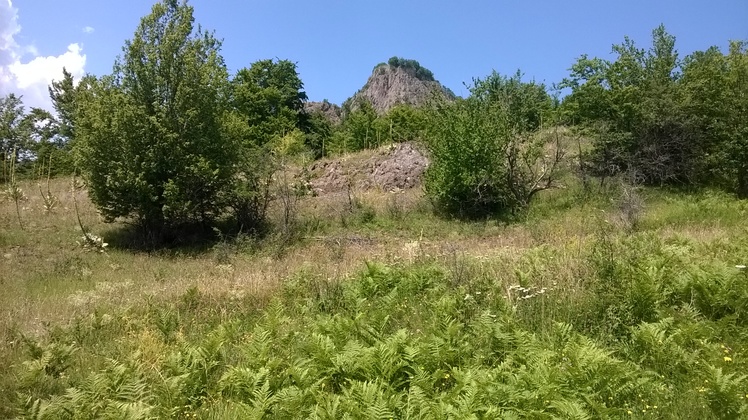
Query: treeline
{"type": "Point", "coordinates": [170, 139]}
{"type": "Point", "coordinates": [663, 119]}
{"type": "Point", "coordinates": [38, 138]}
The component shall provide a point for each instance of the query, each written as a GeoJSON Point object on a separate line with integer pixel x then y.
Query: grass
{"type": "Point", "coordinates": [382, 310]}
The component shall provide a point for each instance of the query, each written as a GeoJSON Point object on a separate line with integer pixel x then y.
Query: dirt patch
{"type": "Point", "coordinates": [390, 168]}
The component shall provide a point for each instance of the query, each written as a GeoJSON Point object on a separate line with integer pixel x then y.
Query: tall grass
{"type": "Point", "coordinates": [565, 314]}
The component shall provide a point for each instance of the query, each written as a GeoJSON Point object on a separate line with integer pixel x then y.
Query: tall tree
{"type": "Point", "coordinates": [270, 96]}
{"type": "Point", "coordinates": [62, 93]}
{"type": "Point", "coordinates": [715, 95]}
{"type": "Point", "coordinates": [633, 107]}
{"type": "Point", "coordinates": [15, 130]}
{"type": "Point", "coordinates": [150, 138]}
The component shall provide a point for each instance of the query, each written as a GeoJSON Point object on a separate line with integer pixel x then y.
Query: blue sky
{"type": "Point", "coordinates": [337, 43]}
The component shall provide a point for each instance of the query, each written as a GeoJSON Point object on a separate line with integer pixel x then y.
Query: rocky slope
{"type": "Point", "coordinates": [389, 168]}
{"type": "Point", "coordinates": [398, 82]}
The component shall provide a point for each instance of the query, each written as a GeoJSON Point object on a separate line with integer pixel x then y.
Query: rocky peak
{"type": "Point", "coordinates": [399, 81]}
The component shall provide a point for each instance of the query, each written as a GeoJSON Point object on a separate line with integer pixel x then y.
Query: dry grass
{"type": "Point", "coordinates": [47, 278]}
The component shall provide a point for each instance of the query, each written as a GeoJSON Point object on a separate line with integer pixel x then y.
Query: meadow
{"type": "Point", "coordinates": [618, 302]}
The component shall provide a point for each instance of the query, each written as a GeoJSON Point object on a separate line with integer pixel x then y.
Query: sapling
{"type": "Point", "coordinates": [50, 201]}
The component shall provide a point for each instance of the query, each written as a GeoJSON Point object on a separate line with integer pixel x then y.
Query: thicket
{"type": "Point", "coordinates": [30, 138]}
{"type": "Point", "coordinates": [363, 129]}
{"type": "Point", "coordinates": [413, 66]}
{"type": "Point", "coordinates": [662, 119]}
{"type": "Point", "coordinates": [488, 156]}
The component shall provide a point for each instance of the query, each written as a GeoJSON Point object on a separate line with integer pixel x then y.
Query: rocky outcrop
{"type": "Point", "coordinates": [390, 168]}
{"type": "Point", "coordinates": [390, 85]}
{"type": "Point", "coordinates": [331, 111]}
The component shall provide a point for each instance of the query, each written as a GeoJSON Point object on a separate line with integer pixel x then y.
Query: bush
{"type": "Point", "coordinates": [155, 140]}
{"type": "Point", "coordinates": [487, 156]}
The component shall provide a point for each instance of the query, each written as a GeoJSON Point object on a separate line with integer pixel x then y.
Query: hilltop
{"type": "Point", "coordinates": [398, 81]}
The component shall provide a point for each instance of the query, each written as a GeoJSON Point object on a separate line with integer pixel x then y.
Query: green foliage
{"type": "Point", "coordinates": [399, 342]}
{"type": "Point", "coordinates": [319, 131]}
{"type": "Point", "coordinates": [405, 123]}
{"type": "Point", "coordinates": [64, 94]}
{"type": "Point", "coordinates": [420, 72]}
{"type": "Point", "coordinates": [486, 156]}
{"type": "Point", "coordinates": [592, 324]}
{"type": "Point", "coordinates": [364, 129]}
{"type": "Point", "coordinates": [361, 128]}
{"type": "Point", "coordinates": [632, 104]}
{"type": "Point", "coordinates": [151, 142]}
{"type": "Point", "coordinates": [714, 98]}
{"type": "Point", "coordinates": [269, 96]}
{"type": "Point", "coordinates": [15, 130]}
{"type": "Point", "coordinates": [527, 105]}
{"type": "Point", "coordinates": [37, 135]}
{"type": "Point", "coordinates": [661, 119]}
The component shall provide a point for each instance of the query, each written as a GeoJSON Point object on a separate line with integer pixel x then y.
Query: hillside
{"type": "Point", "coordinates": [370, 304]}
{"type": "Point", "coordinates": [399, 81]}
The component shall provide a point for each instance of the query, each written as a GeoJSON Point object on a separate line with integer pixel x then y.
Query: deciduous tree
{"type": "Point", "coordinates": [151, 140]}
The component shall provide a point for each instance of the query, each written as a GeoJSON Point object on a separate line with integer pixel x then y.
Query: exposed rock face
{"type": "Point", "coordinates": [331, 111]}
{"type": "Point", "coordinates": [401, 166]}
{"type": "Point", "coordinates": [389, 86]}
{"type": "Point", "coordinates": [391, 168]}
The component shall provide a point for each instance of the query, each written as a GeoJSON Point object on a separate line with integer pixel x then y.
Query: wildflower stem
{"type": "Point", "coordinates": [77, 213]}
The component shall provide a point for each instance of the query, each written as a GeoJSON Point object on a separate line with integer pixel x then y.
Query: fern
{"type": "Point", "coordinates": [569, 410]}
{"type": "Point", "coordinates": [726, 393]}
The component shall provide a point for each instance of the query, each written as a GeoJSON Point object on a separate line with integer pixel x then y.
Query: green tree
{"type": "Point", "coordinates": [528, 104]}
{"type": "Point", "coordinates": [62, 93]}
{"type": "Point", "coordinates": [360, 129]}
{"type": "Point", "coordinates": [319, 131]}
{"type": "Point", "coordinates": [44, 144]}
{"type": "Point", "coordinates": [633, 108]}
{"type": "Point", "coordinates": [734, 130]}
{"type": "Point", "coordinates": [487, 156]}
{"type": "Point", "coordinates": [32, 135]}
{"type": "Point", "coordinates": [715, 88]}
{"type": "Point", "coordinates": [404, 123]}
{"type": "Point", "coordinates": [15, 130]}
{"type": "Point", "coordinates": [150, 139]}
{"type": "Point", "coordinates": [270, 96]}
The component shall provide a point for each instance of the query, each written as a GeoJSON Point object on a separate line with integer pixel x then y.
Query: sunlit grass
{"type": "Point", "coordinates": [388, 264]}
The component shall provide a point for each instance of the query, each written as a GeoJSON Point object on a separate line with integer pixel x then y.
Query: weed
{"type": "Point", "coordinates": [13, 191]}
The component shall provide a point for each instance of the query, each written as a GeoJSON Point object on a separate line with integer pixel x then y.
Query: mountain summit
{"type": "Point", "coordinates": [398, 81]}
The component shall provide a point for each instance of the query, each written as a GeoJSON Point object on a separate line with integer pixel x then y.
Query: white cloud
{"type": "Point", "coordinates": [31, 78]}
{"type": "Point", "coordinates": [88, 30]}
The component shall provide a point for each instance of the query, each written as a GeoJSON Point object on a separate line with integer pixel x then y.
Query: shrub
{"type": "Point", "coordinates": [152, 140]}
{"type": "Point", "coordinates": [486, 155]}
